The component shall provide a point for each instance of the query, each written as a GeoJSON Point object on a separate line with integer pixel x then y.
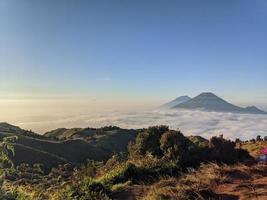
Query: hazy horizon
{"type": "Point", "coordinates": [44, 115]}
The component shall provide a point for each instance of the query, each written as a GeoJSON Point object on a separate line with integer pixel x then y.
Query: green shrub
{"type": "Point", "coordinates": [148, 141]}
{"type": "Point", "coordinates": [142, 170]}
{"type": "Point", "coordinates": [175, 146]}
{"type": "Point", "coordinates": [222, 150]}
{"type": "Point", "coordinates": [120, 174]}
{"type": "Point", "coordinates": [87, 189]}
{"type": "Point", "coordinates": [160, 142]}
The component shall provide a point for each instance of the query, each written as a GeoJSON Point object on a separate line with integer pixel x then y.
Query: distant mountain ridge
{"type": "Point", "coordinates": [208, 101]}
{"type": "Point", "coordinates": [175, 102]}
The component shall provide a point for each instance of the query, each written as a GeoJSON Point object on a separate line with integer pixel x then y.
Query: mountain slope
{"type": "Point", "coordinates": [62, 133]}
{"type": "Point", "coordinates": [254, 109]}
{"type": "Point", "coordinates": [210, 102]}
{"type": "Point", "coordinates": [9, 129]}
{"type": "Point", "coordinates": [74, 151]}
{"type": "Point", "coordinates": [29, 155]}
{"type": "Point", "coordinates": [77, 145]}
{"type": "Point", "coordinates": [110, 139]}
{"type": "Point", "coordinates": [175, 102]}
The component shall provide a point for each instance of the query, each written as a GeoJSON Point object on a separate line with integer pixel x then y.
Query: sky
{"type": "Point", "coordinates": [112, 62]}
{"type": "Point", "coordinates": [133, 51]}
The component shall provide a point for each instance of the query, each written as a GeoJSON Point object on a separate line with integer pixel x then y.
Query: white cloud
{"type": "Point", "coordinates": [206, 124]}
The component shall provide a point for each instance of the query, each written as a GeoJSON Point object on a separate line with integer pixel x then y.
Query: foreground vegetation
{"type": "Point", "coordinates": [159, 164]}
{"type": "Point", "coordinates": [210, 181]}
{"type": "Point", "coordinates": [253, 148]}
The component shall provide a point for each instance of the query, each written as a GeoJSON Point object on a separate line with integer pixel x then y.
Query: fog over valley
{"type": "Point", "coordinates": [43, 116]}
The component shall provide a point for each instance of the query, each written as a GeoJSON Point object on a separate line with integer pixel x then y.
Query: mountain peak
{"type": "Point", "coordinates": [254, 109]}
{"type": "Point", "coordinates": [208, 101]}
{"type": "Point", "coordinates": [207, 94]}
{"type": "Point", "coordinates": [175, 102]}
{"type": "Point", "coordinates": [183, 97]}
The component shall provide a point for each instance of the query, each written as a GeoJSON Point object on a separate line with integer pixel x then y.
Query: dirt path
{"type": "Point", "coordinates": [243, 183]}
{"type": "Point", "coordinates": [133, 192]}
{"type": "Point", "coordinates": [245, 189]}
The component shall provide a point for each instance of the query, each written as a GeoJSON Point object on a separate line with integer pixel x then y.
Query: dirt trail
{"type": "Point", "coordinates": [243, 183]}
{"type": "Point", "coordinates": [133, 192]}
{"type": "Point", "coordinates": [244, 189]}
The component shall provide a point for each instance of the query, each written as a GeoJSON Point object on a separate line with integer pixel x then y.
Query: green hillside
{"type": "Point", "coordinates": [67, 145]}
{"type": "Point", "coordinates": [8, 129]}
{"type": "Point", "coordinates": [26, 154]}
{"type": "Point", "coordinates": [61, 133]}
{"type": "Point", "coordinates": [110, 139]}
{"type": "Point", "coordinates": [114, 140]}
{"type": "Point", "coordinates": [76, 151]}
{"type": "Point", "coordinates": [75, 145]}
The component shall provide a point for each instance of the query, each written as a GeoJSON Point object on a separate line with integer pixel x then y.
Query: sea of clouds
{"type": "Point", "coordinates": [206, 124]}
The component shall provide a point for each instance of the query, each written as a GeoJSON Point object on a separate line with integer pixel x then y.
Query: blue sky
{"type": "Point", "coordinates": [133, 50]}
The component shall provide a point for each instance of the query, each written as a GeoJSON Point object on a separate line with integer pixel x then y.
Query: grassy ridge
{"type": "Point", "coordinates": [77, 146]}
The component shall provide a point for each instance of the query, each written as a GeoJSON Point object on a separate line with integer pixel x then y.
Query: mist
{"type": "Point", "coordinates": [45, 115]}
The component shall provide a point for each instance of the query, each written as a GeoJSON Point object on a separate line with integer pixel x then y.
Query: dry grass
{"type": "Point", "coordinates": [202, 183]}
{"type": "Point", "coordinates": [254, 148]}
{"type": "Point", "coordinates": [243, 172]}
{"type": "Point", "coordinates": [190, 186]}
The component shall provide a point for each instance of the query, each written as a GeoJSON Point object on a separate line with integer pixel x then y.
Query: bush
{"type": "Point", "coordinates": [160, 142]}
{"type": "Point", "coordinates": [148, 141]}
{"type": "Point", "coordinates": [87, 189]}
{"type": "Point", "coordinates": [144, 169]}
{"type": "Point", "coordinates": [120, 174]}
{"type": "Point", "coordinates": [175, 146]}
{"type": "Point", "coordinates": [222, 150]}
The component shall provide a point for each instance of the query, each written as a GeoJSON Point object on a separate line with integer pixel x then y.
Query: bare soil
{"type": "Point", "coordinates": [255, 189]}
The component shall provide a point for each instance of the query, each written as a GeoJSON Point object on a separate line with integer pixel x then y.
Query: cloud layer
{"type": "Point", "coordinates": [206, 124]}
